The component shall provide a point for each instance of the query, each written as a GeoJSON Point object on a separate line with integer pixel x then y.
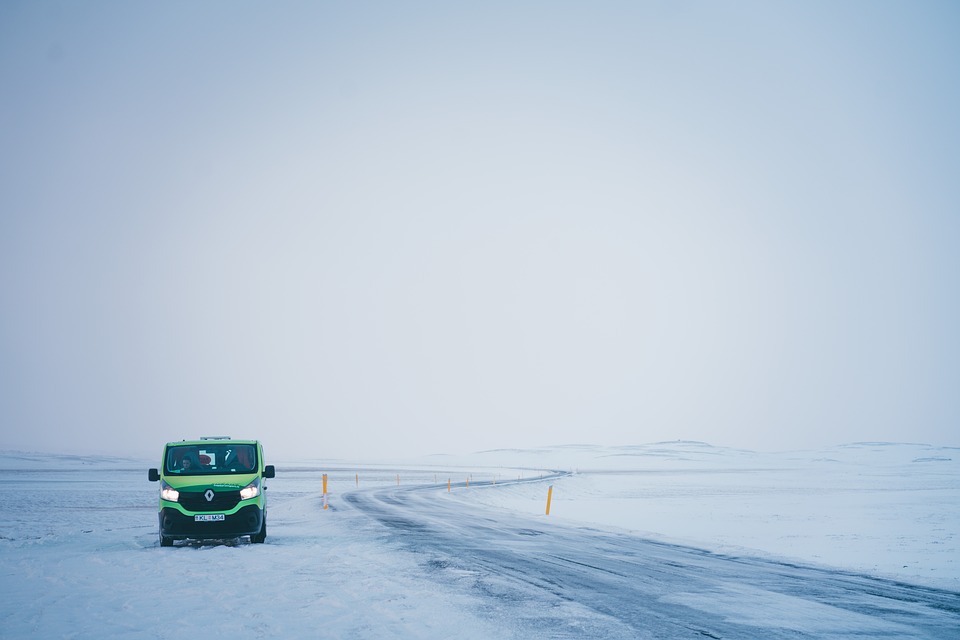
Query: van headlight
{"type": "Point", "coordinates": [252, 490]}
{"type": "Point", "coordinates": [168, 493]}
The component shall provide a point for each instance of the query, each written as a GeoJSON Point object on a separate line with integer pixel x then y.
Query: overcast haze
{"type": "Point", "coordinates": [379, 229]}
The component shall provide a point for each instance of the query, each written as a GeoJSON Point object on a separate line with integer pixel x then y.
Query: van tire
{"type": "Point", "coordinates": [260, 538]}
{"type": "Point", "coordinates": [166, 542]}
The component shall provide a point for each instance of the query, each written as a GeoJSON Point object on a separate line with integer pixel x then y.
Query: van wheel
{"type": "Point", "coordinates": [165, 541]}
{"type": "Point", "coordinates": [259, 538]}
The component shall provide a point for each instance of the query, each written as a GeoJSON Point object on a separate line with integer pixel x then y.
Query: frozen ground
{"type": "Point", "coordinates": [664, 540]}
{"type": "Point", "coordinates": [884, 509]}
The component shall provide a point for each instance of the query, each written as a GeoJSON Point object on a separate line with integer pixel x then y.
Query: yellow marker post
{"type": "Point", "coordinates": [468, 483]}
{"type": "Point", "coordinates": [448, 485]}
{"type": "Point", "coordinates": [325, 491]}
{"type": "Point", "coordinates": [358, 479]}
{"type": "Point", "coordinates": [549, 496]}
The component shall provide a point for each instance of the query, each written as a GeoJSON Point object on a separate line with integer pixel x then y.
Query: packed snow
{"type": "Point", "coordinates": [401, 553]}
{"type": "Point", "coordinates": [889, 510]}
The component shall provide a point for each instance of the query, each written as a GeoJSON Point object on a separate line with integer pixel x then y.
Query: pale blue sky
{"type": "Point", "coordinates": [374, 229]}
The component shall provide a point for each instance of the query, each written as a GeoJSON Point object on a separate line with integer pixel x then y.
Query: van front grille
{"type": "Point", "coordinates": [222, 500]}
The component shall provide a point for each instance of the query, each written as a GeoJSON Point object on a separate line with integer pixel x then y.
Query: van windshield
{"type": "Point", "coordinates": [218, 458]}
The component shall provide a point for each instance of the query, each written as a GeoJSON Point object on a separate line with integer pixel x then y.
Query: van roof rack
{"type": "Point", "coordinates": [214, 437]}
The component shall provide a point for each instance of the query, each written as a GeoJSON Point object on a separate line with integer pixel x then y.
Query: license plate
{"type": "Point", "coordinates": [209, 517]}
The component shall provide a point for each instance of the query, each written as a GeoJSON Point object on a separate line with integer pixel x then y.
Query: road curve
{"type": "Point", "coordinates": [544, 579]}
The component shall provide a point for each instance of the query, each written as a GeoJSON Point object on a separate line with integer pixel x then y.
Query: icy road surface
{"type": "Point", "coordinates": [79, 555]}
{"type": "Point", "coordinates": [585, 583]}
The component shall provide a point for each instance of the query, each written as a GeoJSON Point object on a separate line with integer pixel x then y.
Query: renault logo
{"type": "Point", "coordinates": [208, 494]}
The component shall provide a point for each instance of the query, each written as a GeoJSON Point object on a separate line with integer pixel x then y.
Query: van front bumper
{"type": "Point", "coordinates": [179, 526]}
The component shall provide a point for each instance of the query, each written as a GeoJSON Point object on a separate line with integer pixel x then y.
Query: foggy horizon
{"type": "Point", "coordinates": [419, 228]}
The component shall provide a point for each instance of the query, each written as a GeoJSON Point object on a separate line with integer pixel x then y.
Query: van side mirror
{"type": "Point", "coordinates": [153, 475]}
{"type": "Point", "coordinates": [269, 471]}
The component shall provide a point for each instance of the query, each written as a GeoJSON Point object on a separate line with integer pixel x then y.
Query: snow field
{"type": "Point", "coordinates": [79, 555]}
{"type": "Point", "coordinates": [889, 510]}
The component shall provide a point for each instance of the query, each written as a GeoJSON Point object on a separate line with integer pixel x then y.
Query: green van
{"type": "Point", "coordinates": [212, 488]}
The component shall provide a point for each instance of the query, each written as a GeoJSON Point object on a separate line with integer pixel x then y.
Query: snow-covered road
{"type": "Point", "coordinates": [398, 556]}
{"type": "Point", "coordinates": [579, 582]}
